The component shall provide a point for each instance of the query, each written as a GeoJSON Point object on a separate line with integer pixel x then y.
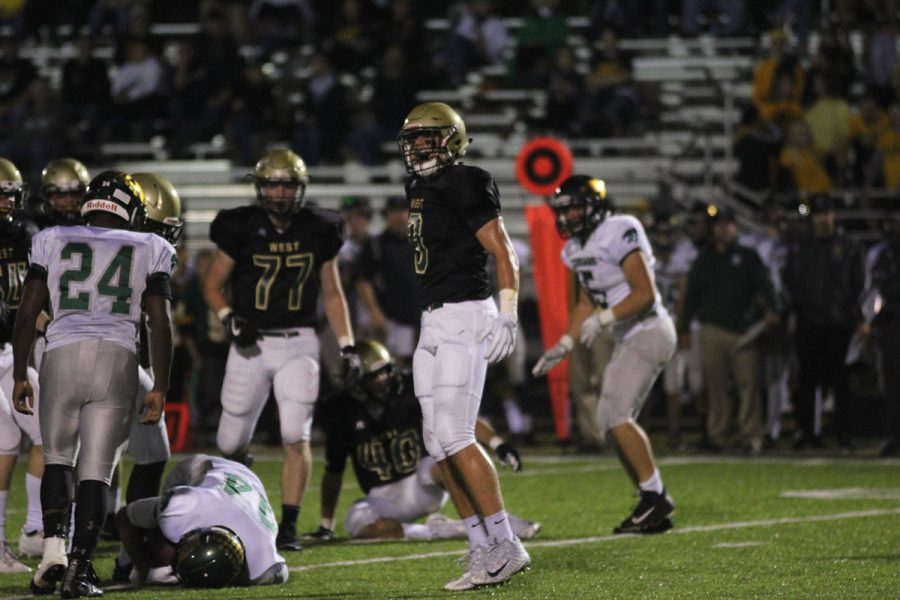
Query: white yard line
{"type": "Point", "coordinates": [611, 538]}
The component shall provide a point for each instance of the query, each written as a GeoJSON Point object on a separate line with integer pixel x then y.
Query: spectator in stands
{"type": "Point", "coordinates": [136, 91]}
{"type": "Point", "coordinates": [884, 277]}
{"type": "Point", "coordinates": [565, 95]}
{"type": "Point", "coordinates": [387, 283]}
{"type": "Point", "coordinates": [477, 38]}
{"type": "Point", "coordinates": [795, 15]}
{"type": "Point", "coordinates": [824, 278]}
{"type": "Point", "coordinates": [880, 62]}
{"type": "Point", "coordinates": [251, 114]}
{"type": "Point", "coordinates": [829, 123]}
{"type": "Point", "coordinates": [542, 32]}
{"type": "Point", "coordinates": [626, 16]}
{"type": "Point", "coordinates": [756, 146]}
{"type": "Point", "coordinates": [865, 126]}
{"type": "Point", "coordinates": [16, 75]}
{"type": "Point", "coordinates": [779, 60]}
{"type": "Point", "coordinates": [835, 61]}
{"type": "Point", "coordinates": [110, 18]}
{"type": "Point", "coordinates": [855, 13]}
{"type": "Point", "coordinates": [782, 106]}
{"type": "Point", "coordinates": [393, 90]}
{"type": "Point", "coordinates": [885, 165]}
{"type": "Point", "coordinates": [799, 158]}
{"type": "Point", "coordinates": [34, 132]}
{"type": "Point", "coordinates": [320, 129]}
{"type": "Point", "coordinates": [726, 16]}
{"type": "Point", "coordinates": [282, 23]}
{"type": "Point", "coordinates": [85, 91]}
{"type": "Point", "coordinates": [405, 28]}
{"type": "Point", "coordinates": [729, 292]}
{"type": "Point", "coordinates": [611, 100]}
{"type": "Point", "coordinates": [351, 40]}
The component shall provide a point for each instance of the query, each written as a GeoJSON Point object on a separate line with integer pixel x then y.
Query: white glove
{"type": "Point", "coordinates": [553, 356]}
{"type": "Point", "coordinates": [594, 324]}
{"type": "Point", "coordinates": [502, 332]}
{"type": "Point", "coordinates": [164, 575]}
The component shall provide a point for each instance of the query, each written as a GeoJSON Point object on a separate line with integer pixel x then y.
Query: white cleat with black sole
{"type": "Point", "coordinates": [505, 558]}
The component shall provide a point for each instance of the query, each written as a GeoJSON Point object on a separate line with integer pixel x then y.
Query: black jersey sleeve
{"type": "Point", "coordinates": [226, 231]}
{"type": "Point", "coordinates": [331, 231]}
{"type": "Point", "coordinates": [478, 197]}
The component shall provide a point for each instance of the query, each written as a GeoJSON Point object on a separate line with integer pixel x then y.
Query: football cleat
{"type": "Point", "coordinates": [649, 514]}
{"type": "Point", "coordinates": [9, 563]}
{"type": "Point", "coordinates": [31, 544]}
{"type": "Point", "coordinates": [477, 558]}
{"type": "Point", "coordinates": [443, 527]}
{"type": "Point", "coordinates": [524, 530]}
{"type": "Point", "coordinates": [80, 581]}
{"type": "Point", "coordinates": [504, 559]}
{"type": "Point", "coordinates": [287, 540]}
{"type": "Point", "coordinates": [52, 567]}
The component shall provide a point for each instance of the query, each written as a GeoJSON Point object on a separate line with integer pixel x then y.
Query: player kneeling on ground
{"type": "Point", "coordinates": [379, 427]}
{"type": "Point", "coordinates": [212, 527]}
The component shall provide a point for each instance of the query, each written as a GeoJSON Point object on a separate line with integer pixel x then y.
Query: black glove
{"type": "Point", "coordinates": [242, 331]}
{"type": "Point", "coordinates": [351, 368]}
{"type": "Point", "coordinates": [322, 534]}
{"type": "Point", "coordinates": [509, 456]}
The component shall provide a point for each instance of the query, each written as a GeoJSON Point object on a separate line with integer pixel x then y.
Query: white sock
{"type": "Point", "coordinates": [416, 531]}
{"type": "Point", "coordinates": [654, 484]}
{"type": "Point", "coordinates": [35, 519]}
{"type": "Point", "coordinates": [497, 526]}
{"type": "Point", "coordinates": [3, 496]}
{"type": "Point", "coordinates": [113, 497]}
{"type": "Point", "coordinates": [475, 531]}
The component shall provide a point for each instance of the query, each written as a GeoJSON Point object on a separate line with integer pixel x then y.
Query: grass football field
{"type": "Point", "coordinates": [781, 526]}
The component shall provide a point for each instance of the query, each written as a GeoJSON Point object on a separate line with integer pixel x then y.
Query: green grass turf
{"type": "Point", "coordinates": [736, 536]}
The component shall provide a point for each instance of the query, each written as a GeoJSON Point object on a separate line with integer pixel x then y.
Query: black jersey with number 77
{"type": "Point", "coordinates": [445, 212]}
{"type": "Point", "coordinates": [275, 281]}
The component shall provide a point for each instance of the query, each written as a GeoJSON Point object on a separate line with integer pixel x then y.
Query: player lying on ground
{"type": "Point", "coordinates": [379, 427]}
{"type": "Point", "coordinates": [212, 527]}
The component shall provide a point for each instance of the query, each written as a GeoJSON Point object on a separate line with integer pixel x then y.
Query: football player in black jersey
{"type": "Point", "coordinates": [15, 240]}
{"type": "Point", "coordinates": [275, 256]}
{"type": "Point", "coordinates": [378, 426]}
{"type": "Point", "coordinates": [454, 223]}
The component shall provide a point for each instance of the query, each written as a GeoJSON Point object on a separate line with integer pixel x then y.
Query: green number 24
{"type": "Point", "coordinates": [114, 283]}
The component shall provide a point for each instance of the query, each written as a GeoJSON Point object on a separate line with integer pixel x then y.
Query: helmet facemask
{"type": "Point", "coordinates": [280, 197]}
{"type": "Point", "coordinates": [65, 203]}
{"type": "Point", "coordinates": [10, 199]}
{"type": "Point", "coordinates": [426, 150]}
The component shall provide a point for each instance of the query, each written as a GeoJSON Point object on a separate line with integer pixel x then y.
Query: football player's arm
{"type": "Point", "coordinates": [493, 237]}
{"type": "Point", "coordinates": [370, 301]}
{"type": "Point", "coordinates": [335, 462]}
{"type": "Point", "coordinates": [33, 300]}
{"type": "Point", "coordinates": [159, 321]}
{"type": "Point", "coordinates": [132, 536]}
{"type": "Point", "coordinates": [335, 304]}
{"type": "Point", "coordinates": [583, 309]}
{"type": "Point", "coordinates": [218, 275]}
{"type": "Point", "coordinates": [642, 293]}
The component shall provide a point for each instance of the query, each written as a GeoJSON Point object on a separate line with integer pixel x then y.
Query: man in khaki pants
{"type": "Point", "coordinates": [728, 291]}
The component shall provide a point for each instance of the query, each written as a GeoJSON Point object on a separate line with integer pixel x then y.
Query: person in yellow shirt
{"type": "Point", "coordinates": [887, 158]}
{"type": "Point", "coordinates": [829, 122]}
{"type": "Point", "coordinates": [799, 157]}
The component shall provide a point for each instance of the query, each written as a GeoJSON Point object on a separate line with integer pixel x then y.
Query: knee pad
{"type": "Point", "coordinates": [296, 389]}
{"type": "Point", "coordinates": [10, 434]}
{"type": "Point", "coordinates": [359, 515]}
{"type": "Point", "coordinates": [430, 440]}
{"type": "Point", "coordinates": [234, 434]}
{"type": "Point", "coordinates": [455, 409]}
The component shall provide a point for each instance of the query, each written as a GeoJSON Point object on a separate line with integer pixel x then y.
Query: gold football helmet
{"type": "Point", "coordinates": [11, 186]}
{"type": "Point", "coordinates": [163, 205]}
{"type": "Point", "coordinates": [433, 137]}
{"type": "Point", "coordinates": [63, 183]}
{"type": "Point", "coordinates": [380, 376]}
{"type": "Point", "coordinates": [280, 178]}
